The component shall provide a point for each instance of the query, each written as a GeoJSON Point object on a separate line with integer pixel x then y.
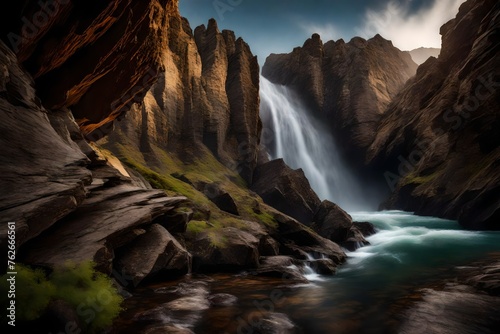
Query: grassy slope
{"type": "Point", "coordinates": [166, 170]}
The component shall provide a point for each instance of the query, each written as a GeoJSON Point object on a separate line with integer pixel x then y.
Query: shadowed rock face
{"type": "Point", "coordinates": [43, 171]}
{"type": "Point", "coordinates": [66, 202]}
{"type": "Point", "coordinates": [349, 85]}
{"type": "Point", "coordinates": [438, 140]}
{"type": "Point", "coordinates": [76, 50]}
{"type": "Point", "coordinates": [286, 189]}
{"type": "Point", "coordinates": [208, 96]}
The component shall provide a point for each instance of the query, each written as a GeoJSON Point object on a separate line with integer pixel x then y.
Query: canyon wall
{"type": "Point", "coordinates": [430, 139]}
{"type": "Point", "coordinates": [76, 50]}
{"type": "Point", "coordinates": [438, 140]}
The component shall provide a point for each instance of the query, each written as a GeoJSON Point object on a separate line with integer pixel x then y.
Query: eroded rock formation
{"type": "Point", "coordinates": [208, 96]}
{"type": "Point", "coordinates": [67, 202]}
{"type": "Point", "coordinates": [76, 50]}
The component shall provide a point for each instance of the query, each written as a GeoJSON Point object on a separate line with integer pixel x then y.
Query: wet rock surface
{"type": "Point", "coordinates": [469, 304]}
{"type": "Point", "coordinates": [227, 249]}
{"type": "Point", "coordinates": [457, 310]}
{"type": "Point", "coordinates": [331, 222]}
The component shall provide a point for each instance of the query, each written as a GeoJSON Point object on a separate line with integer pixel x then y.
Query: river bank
{"type": "Point", "coordinates": [412, 267]}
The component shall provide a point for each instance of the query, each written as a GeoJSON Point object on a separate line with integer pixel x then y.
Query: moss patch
{"type": "Point", "coordinates": [217, 240]}
{"type": "Point", "coordinates": [91, 294]}
{"type": "Point", "coordinates": [413, 178]}
{"type": "Point", "coordinates": [200, 168]}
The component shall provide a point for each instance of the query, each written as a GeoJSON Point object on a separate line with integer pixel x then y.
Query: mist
{"type": "Point", "coordinates": [407, 29]}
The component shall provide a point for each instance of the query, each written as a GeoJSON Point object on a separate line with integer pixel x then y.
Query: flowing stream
{"type": "Point", "coordinates": [370, 292]}
{"type": "Point", "coordinates": [367, 295]}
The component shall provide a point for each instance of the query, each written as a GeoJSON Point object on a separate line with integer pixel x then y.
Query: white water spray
{"type": "Point", "coordinates": [305, 143]}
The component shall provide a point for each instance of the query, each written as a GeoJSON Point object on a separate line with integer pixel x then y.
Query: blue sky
{"type": "Point", "coordinates": [277, 26]}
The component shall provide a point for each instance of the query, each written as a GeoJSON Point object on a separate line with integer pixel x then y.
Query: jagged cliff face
{"type": "Point", "coordinates": [439, 138]}
{"type": "Point", "coordinates": [76, 50]}
{"type": "Point", "coordinates": [46, 178]}
{"type": "Point", "coordinates": [208, 96]}
{"type": "Point", "coordinates": [347, 84]}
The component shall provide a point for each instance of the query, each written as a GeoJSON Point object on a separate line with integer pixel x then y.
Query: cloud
{"type": "Point", "coordinates": [327, 31]}
{"type": "Point", "coordinates": [409, 30]}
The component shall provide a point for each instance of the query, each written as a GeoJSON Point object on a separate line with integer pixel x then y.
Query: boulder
{"type": "Point", "coordinates": [222, 299]}
{"type": "Point", "coordinates": [286, 190]}
{"type": "Point", "coordinates": [222, 249]}
{"type": "Point", "coordinates": [287, 274]}
{"type": "Point", "coordinates": [176, 221]}
{"type": "Point", "coordinates": [268, 246]}
{"type": "Point", "coordinates": [152, 253]}
{"type": "Point", "coordinates": [365, 228]}
{"type": "Point", "coordinates": [354, 240]}
{"type": "Point", "coordinates": [187, 287]}
{"type": "Point", "coordinates": [323, 266]}
{"type": "Point", "coordinates": [171, 317]}
{"type": "Point", "coordinates": [487, 278]}
{"type": "Point", "coordinates": [276, 323]}
{"type": "Point", "coordinates": [284, 267]}
{"type": "Point", "coordinates": [216, 193]}
{"type": "Point", "coordinates": [460, 310]}
{"type": "Point", "coordinates": [331, 222]}
{"type": "Point", "coordinates": [100, 225]}
{"type": "Point", "coordinates": [301, 241]}
{"type": "Point", "coordinates": [226, 203]}
{"type": "Point", "coordinates": [277, 261]}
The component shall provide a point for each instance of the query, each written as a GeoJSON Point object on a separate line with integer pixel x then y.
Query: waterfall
{"type": "Point", "coordinates": [303, 142]}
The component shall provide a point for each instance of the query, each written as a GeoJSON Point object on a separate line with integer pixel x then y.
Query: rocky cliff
{"type": "Point", "coordinates": [207, 98]}
{"type": "Point", "coordinates": [349, 85]}
{"type": "Point", "coordinates": [197, 134]}
{"type": "Point", "coordinates": [47, 177]}
{"type": "Point", "coordinates": [76, 50]}
{"type": "Point", "coordinates": [194, 136]}
{"type": "Point", "coordinates": [438, 139]}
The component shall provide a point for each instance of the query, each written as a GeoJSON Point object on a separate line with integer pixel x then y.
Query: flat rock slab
{"type": "Point", "coordinates": [99, 226]}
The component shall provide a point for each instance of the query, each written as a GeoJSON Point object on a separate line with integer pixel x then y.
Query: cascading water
{"type": "Point", "coordinates": [292, 134]}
